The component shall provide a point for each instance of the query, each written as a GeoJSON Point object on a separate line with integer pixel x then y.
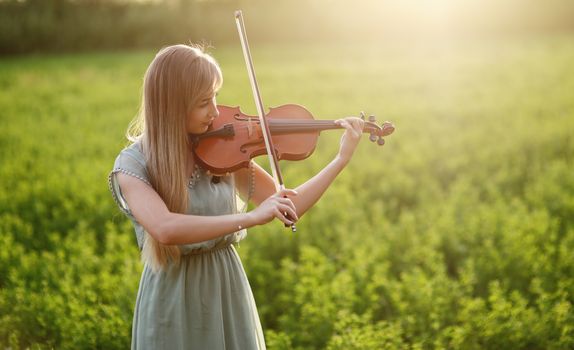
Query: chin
{"type": "Point", "coordinates": [199, 130]}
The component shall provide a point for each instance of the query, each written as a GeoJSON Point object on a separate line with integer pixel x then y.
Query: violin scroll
{"type": "Point", "coordinates": [377, 132]}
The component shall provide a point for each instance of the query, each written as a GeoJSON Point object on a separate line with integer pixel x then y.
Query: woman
{"type": "Point", "coordinates": [193, 292]}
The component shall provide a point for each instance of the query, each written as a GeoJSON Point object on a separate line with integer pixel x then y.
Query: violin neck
{"type": "Point", "coordinates": [278, 126]}
{"type": "Point", "coordinates": [294, 126]}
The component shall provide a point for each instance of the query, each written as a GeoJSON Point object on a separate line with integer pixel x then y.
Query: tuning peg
{"type": "Point", "coordinates": [381, 141]}
{"type": "Point", "coordinates": [373, 137]}
{"type": "Point", "coordinates": [362, 114]}
{"type": "Point", "coordinates": [372, 118]}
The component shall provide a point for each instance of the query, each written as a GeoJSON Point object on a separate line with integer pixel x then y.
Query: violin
{"type": "Point", "coordinates": [234, 138]}
{"type": "Point", "coordinates": [286, 132]}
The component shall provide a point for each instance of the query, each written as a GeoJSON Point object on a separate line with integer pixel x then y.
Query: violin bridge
{"type": "Point", "coordinates": [249, 123]}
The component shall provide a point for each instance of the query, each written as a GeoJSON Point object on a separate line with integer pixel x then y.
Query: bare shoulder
{"type": "Point", "coordinates": [128, 182]}
{"type": "Point", "coordinates": [136, 191]}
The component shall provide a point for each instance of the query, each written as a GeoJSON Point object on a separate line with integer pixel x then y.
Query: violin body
{"type": "Point", "coordinates": [222, 151]}
{"type": "Point", "coordinates": [234, 138]}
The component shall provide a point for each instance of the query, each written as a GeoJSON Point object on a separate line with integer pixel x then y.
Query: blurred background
{"type": "Point", "coordinates": [69, 25]}
{"type": "Point", "coordinates": [457, 234]}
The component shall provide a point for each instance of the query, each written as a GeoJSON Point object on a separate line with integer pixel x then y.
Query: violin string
{"type": "Point", "coordinates": [306, 122]}
{"type": "Point", "coordinates": [283, 124]}
{"type": "Point", "coordinates": [317, 123]}
{"type": "Point", "coordinates": [300, 128]}
{"type": "Point", "coordinates": [298, 125]}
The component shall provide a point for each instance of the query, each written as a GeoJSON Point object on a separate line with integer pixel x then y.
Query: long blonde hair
{"type": "Point", "coordinates": [176, 79]}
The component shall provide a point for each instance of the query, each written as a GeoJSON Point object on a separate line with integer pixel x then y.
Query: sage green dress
{"type": "Point", "coordinates": [206, 302]}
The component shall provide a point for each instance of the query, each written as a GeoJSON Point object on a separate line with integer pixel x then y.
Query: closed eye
{"type": "Point", "coordinates": [205, 102]}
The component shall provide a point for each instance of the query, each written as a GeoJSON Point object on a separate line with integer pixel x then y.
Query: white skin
{"type": "Point", "coordinates": [287, 205]}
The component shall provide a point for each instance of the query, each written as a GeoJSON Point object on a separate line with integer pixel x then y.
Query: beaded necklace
{"type": "Point", "coordinates": [194, 176]}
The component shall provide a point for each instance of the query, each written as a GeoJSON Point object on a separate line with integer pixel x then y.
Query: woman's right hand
{"type": "Point", "coordinates": [276, 206]}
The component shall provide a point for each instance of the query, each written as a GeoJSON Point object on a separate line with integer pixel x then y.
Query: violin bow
{"type": "Point", "coordinates": [273, 161]}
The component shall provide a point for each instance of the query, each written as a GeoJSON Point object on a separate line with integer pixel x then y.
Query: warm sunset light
{"type": "Point", "coordinates": [423, 151]}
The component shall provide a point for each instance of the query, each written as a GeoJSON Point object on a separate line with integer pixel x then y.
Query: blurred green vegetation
{"type": "Point", "coordinates": [28, 26]}
{"type": "Point", "coordinates": [457, 234]}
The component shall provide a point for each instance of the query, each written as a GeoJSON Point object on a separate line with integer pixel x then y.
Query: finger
{"type": "Point", "coordinates": [286, 201]}
{"type": "Point", "coordinates": [343, 122]}
{"type": "Point", "coordinates": [282, 217]}
{"type": "Point", "coordinates": [346, 125]}
{"type": "Point", "coordinates": [289, 213]}
{"type": "Point", "coordinates": [342, 119]}
{"type": "Point", "coordinates": [353, 121]}
{"type": "Point", "coordinates": [358, 124]}
{"type": "Point", "coordinates": [355, 129]}
{"type": "Point", "coordinates": [289, 203]}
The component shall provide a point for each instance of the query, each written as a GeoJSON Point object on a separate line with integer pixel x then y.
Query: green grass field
{"type": "Point", "coordinates": [457, 234]}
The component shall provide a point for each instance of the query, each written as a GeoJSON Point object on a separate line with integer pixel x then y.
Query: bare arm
{"type": "Point", "coordinates": [308, 193]}
{"type": "Point", "coordinates": [172, 228]}
{"type": "Point", "coordinates": [150, 211]}
{"type": "Point", "coordinates": [312, 190]}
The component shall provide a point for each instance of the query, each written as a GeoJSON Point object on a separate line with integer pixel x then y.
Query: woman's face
{"type": "Point", "coordinates": [203, 114]}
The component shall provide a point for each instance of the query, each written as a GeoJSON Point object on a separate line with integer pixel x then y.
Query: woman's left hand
{"type": "Point", "coordinates": [351, 137]}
